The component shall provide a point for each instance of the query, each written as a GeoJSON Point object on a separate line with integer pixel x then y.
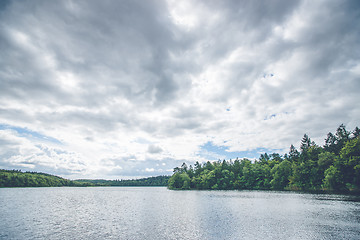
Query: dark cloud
{"type": "Point", "coordinates": [154, 149]}
{"type": "Point", "coordinates": [124, 47]}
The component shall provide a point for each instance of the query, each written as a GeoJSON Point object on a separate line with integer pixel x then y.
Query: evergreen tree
{"type": "Point", "coordinates": [305, 143]}
{"type": "Point", "coordinates": [293, 154]}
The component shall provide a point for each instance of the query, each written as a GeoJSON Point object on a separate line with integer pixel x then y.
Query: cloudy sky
{"type": "Point", "coordinates": [128, 89]}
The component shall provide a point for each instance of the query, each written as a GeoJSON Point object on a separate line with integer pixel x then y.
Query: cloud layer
{"type": "Point", "coordinates": [123, 89]}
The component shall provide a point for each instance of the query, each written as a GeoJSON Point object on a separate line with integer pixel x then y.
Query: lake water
{"type": "Point", "coordinates": [159, 213]}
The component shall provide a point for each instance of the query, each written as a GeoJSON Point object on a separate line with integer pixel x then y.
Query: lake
{"type": "Point", "coordinates": [159, 213]}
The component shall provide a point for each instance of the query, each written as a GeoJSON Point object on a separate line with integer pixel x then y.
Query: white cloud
{"type": "Point", "coordinates": [149, 169]}
{"type": "Point", "coordinates": [128, 88]}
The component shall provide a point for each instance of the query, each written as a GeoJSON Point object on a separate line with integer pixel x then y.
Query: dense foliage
{"type": "Point", "coordinates": [16, 178]}
{"type": "Point", "coordinates": [334, 166]}
{"type": "Point", "coordinates": [150, 181]}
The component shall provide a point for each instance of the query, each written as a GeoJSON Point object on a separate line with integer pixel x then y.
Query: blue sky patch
{"type": "Point", "coordinates": [24, 132]}
{"type": "Point", "coordinates": [214, 152]}
{"type": "Point", "coordinates": [270, 117]}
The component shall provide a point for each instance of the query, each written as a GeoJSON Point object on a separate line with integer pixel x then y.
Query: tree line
{"type": "Point", "coordinates": [17, 178]}
{"type": "Point", "coordinates": [335, 166]}
{"type": "Point", "coordinates": [150, 181]}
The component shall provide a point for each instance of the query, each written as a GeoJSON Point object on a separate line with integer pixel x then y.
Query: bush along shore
{"type": "Point", "coordinates": [335, 166]}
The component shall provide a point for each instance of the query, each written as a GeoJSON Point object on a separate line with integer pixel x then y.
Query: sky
{"type": "Point", "coordinates": [129, 89]}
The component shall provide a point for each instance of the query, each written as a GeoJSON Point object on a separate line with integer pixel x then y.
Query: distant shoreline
{"type": "Point", "coordinates": [17, 178]}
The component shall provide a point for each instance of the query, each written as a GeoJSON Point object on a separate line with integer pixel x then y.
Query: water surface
{"type": "Point", "coordinates": [159, 213]}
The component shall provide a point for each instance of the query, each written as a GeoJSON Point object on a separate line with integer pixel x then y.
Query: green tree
{"type": "Point", "coordinates": [305, 143]}
{"type": "Point", "coordinates": [355, 133]}
{"type": "Point", "coordinates": [179, 181]}
{"type": "Point", "coordinates": [197, 168]}
{"type": "Point", "coordinates": [281, 173]}
{"type": "Point", "coordinates": [332, 180]}
{"type": "Point", "coordinates": [349, 163]}
{"type": "Point", "coordinates": [326, 159]}
{"type": "Point", "coordinates": [330, 143]}
{"type": "Point", "coordinates": [293, 154]}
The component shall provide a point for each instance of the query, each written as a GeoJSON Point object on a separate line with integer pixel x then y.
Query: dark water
{"type": "Point", "coordinates": [158, 213]}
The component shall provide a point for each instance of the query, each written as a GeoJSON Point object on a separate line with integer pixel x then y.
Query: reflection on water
{"type": "Point", "coordinates": [158, 213]}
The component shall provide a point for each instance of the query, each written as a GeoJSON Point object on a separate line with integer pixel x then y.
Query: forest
{"type": "Point", "coordinates": [335, 166]}
{"type": "Point", "coordinates": [17, 178]}
{"type": "Point", "coordinates": [150, 181]}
